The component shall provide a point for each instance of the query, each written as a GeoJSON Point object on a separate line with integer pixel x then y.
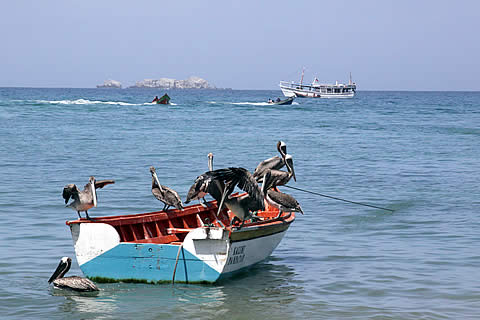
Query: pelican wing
{"type": "Point", "coordinates": [285, 200]}
{"type": "Point", "coordinates": [278, 178]}
{"type": "Point", "coordinates": [172, 198]}
{"type": "Point", "coordinates": [275, 163]}
{"type": "Point", "coordinates": [75, 283]}
{"type": "Point", "coordinates": [199, 187]}
{"type": "Point", "coordinates": [157, 193]}
{"type": "Point", "coordinates": [103, 183]}
{"type": "Point", "coordinates": [238, 177]}
{"type": "Point", "coordinates": [70, 191]}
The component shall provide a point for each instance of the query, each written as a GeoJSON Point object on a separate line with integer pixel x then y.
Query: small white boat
{"type": "Point", "coordinates": [318, 90]}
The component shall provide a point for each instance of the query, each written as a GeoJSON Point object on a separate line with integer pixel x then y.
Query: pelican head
{"type": "Point", "coordinates": [210, 161]}
{"type": "Point", "coordinates": [289, 164]}
{"type": "Point", "coordinates": [62, 268]}
{"type": "Point", "coordinates": [94, 190]}
{"type": "Point", "coordinates": [154, 175]}
{"type": "Point", "coordinates": [282, 148]}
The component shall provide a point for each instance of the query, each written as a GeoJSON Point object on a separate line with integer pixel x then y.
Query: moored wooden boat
{"type": "Point", "coordinates": [188, 246]}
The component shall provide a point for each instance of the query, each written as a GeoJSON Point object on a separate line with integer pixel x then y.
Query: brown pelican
{"type": "Point", "coordinates": [275, 162]}
{"type": "Point", "coordinates": [165, 194]}
{"type": "Point", "coordinates": [86, 199]}
{"type": "Point", "coordinates": [74, 283]}
{"type": "Point", "coordinates": [244, 206]}
{"type": "Point", "coordinates": [238, 177]}
{"type": "Point", "coordinates": [282, 201]}
{"type": "Point", "coordinates": [205, 184]}
{"type": "Point", "coordinates": [281, 178]}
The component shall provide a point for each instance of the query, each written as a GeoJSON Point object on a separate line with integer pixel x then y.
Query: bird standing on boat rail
{"type": "Point", "coordinates": [205, 184]}
{"type": "Point", "coordinates": [281, 178]}
{"type": "Point", "coordinates": [165, 194]}
{"type": "Point", "coordinates": [238, 177]}
{"type": "Point", "coordinates": [282, 201]}
{"type": "Point", "coordinates": [74, 282]}
{"type": "Point", "coordinates": [275, 162]}
{"type": "Point", "coordinates": [86, 199]}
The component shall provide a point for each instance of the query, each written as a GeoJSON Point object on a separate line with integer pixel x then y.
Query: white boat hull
{"type": "Point", "coordinates": [288, 92]}
{"type": "Point", "coordinates": [318, 90]}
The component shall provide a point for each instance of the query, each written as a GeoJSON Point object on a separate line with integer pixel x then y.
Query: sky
{"type": "Point", "coordinates": [386, 45]}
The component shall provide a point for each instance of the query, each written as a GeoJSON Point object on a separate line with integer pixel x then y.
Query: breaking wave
{"type": "Point", "coordinates": [86, 101]}
{"type": "Point", "coordinates": [248, 103]}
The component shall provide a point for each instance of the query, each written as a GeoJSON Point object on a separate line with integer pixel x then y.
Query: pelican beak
{"type": "Point", "coordinates": [158, 182]}
{"type": "Point", "coordinates": [59, 269]}
{"type": "Point", "coordinates": [94, 193]}
{"type": "Point", "coordinates": [293, 174]}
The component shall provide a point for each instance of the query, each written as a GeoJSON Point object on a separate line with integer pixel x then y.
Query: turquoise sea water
{"type": "Point", "coordinates": [415, 152]}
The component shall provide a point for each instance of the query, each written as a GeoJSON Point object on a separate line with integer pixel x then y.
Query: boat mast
{"type": "Point", "coordinates": [301, 80]}
{"type": "Point", "coordinates": [350, 81]}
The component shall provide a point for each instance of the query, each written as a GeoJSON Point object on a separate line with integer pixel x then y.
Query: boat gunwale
{"type": "Point", "coordinates": [141, 218]}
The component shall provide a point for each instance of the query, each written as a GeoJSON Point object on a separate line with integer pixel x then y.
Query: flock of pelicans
{"type": "Point", "coordinates": [219, 183]}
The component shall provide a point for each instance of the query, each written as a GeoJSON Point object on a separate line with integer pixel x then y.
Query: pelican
{"type": "Point", "coordinates": [282, 201]}
{"type": "Point", "coordinates": [86, 199]}
{"type": "Point", "coordinates": [244, 206]}
{"type": "Point", "coordinates": [74, 283]}
{"type": "Point", "coordinates": [203, 185]}
{"type": "Point", "coordinates": [168, 196]}
{"type": "Point", "coordinates": [281, 178]}
{"type": "Point", "coordinates": [242, 178]}
{"type": "Point", "coordinates": [275, 162]}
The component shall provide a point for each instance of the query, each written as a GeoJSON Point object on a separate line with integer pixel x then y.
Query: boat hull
{"type": "Point", "coordinates": [304, 91]}
{"type": "Point", "coordinates": [206, 254]}
{"type": "Point", "coordinates": [287, 101]}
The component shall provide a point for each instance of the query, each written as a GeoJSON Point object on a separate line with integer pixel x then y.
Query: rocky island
{"type": "Point", "coordinates": [167, 83]}
{"type": "Point", "coordinates": [110, 84]}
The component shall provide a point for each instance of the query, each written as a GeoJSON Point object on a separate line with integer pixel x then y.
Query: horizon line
{"type": "Point", "coordinates": [232, 89]}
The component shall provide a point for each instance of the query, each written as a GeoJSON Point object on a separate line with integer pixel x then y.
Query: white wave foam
{"type": "Point", "coordinates": [248, 103]}
{"type": "Point", "coordinates": [86, 101]}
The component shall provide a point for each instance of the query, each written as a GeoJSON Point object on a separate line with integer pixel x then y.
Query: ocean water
{"type": "Point", "coordinates": [414, 152]}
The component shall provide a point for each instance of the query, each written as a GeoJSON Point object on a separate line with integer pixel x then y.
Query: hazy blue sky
{"type": "Point", "coordinates": [387, 45]}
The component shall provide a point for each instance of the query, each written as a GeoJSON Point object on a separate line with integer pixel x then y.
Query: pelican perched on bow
{"type": "Point", "coordinates": [205, 184]}
{"type": "Point", "coordinates": [239, 177]}
{"type": "Point", "coordinates": [74, 283]}
{"type": "Point", "coordinates": [282, 201]}
{"type": "Point", "coordinates": [165, 194]}
{"type": "Point", "coordinates": [281, 178]}
{"type": "Point", "coordinates": [244, 206]}
{"type": "Point", "coordinates": [86, 199]}
{"type": "Point", "coordinates": [275, 162]}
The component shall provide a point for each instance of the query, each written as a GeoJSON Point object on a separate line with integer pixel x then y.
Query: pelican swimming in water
{"type": "Point", "coordinates": [86, 199]}
{"type": "Point", "coordinates": [74, 283]}
{"type": "Point", "coordinates": [165, 194]}
{"type": "Point", "coordinates": [205, 184]}
{"type": "Point", "coordinates": [282, 201]}
{"type": "Point", "coordinates": [275, 162]}
{"type": "Point", "coordinates": [281, 178]}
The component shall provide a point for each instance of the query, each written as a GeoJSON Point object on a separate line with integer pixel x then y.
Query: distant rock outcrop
{"type": "Point", "coordinates": [110, 84]}
{"type": "Point", "coordinates": [166, 83]}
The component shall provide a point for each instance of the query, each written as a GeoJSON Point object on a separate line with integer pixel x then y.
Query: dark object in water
{"type": "Point", "coordinates": [289, 100]}
{"type": "Point", "coordinates": [73, 283]}
{"type": "Point", "coordinates": [165, 99]}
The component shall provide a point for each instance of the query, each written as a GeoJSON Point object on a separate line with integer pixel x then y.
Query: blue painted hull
{"type": "Point", "coordinates": [148, 263]}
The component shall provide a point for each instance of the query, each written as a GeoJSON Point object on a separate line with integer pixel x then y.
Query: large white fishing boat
{"type": "Point", "coordinates": [318, 90]}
